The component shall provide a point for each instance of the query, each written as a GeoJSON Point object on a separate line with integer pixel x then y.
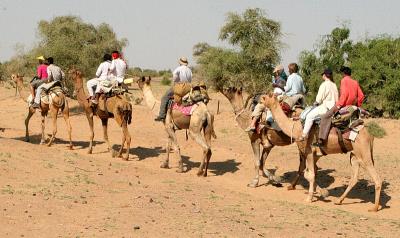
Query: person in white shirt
{"type": "Point", "coordinates": [182, 74]}
{"type": "Point", "coordinates": [118, 67]}
{"type": "Point", "coordinates": [326, 98]}
{"type": "Point", "coordinates": [102, 73]}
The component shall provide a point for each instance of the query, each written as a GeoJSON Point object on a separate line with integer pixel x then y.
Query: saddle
{"type": "Point", "coordinates": [187, 94]}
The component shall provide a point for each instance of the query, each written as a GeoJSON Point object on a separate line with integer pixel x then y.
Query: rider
{"type": "Point", "coordinates": [41, 76]}
{"type": "Point", "coordinates": [118, 67]}
{"type": "Point", "coordinates": [54, 74]}
{"type": "Point", "coordinates": [181, 74]}
{"type": "Point", "coordinates": [278, 83]}
{"type": "Point", "coordinates": [102, 73]}
{"type": "Point", "coordinates": [294, 88]}
{"type": "Point", "coordinates": [350, 94]}
{"type": "Point", "coordinates": [326, 99]}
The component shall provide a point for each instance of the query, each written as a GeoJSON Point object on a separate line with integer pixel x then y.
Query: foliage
{"type": "Point", "coordinates": [256, 42]}
{"type": "Point", "coordinates": [165, 81]}
{"type": "Point", "coordinates": [375, 64]}
{"type": "Point", "coordinates": [71, 42]}
{"type": "Point", "coordinates": [375, 130]}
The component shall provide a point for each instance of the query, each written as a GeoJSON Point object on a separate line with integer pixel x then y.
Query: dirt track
{"type": "Point", "coordinates": [55, 192]}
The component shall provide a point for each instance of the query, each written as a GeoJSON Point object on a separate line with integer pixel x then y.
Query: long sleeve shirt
{"type": "Point", "coordinates": [294, 85]}
{"type": "Point", "coordinates": [55, 73]}
{"type": "Point", "coordinates": [118, 68]}
{"type": "Point", "coordinates": [350, 93]}
{"type": "Point", "coordinates": [327, 94]}
{"type": "Point", "coordinates": [103, 71]}
{"type": "Point", "coordinates": [182, 74]}
{"type": "Point", "coordinates": [42, 71]}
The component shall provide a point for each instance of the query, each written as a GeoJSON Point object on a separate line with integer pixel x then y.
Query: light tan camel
{"type": "Point", "coordinates": [361, 151]}
{"type": "Point", "coordinates": [118, 108]}
{"type": "Point", "coordinates": [267, 139]}
{"type": "Point", "coordinates": [200, 120]}
{"type": "Point", "coordinates": [58, 102]}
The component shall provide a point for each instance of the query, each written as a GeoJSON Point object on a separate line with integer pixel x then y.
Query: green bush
{"type": "Point", "coordinates": [165, 81]}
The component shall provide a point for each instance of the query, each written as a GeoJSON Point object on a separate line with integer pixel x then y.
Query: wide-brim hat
{"type": "Point", "coordinates": [277, 68]}
{"type": "Point", "coordinates": [183, 61]}
{"type": "Point", "coordinates": [40, 57]}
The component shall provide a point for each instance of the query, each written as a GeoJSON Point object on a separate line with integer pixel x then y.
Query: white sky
{"type": "Point", "coordinates": [159, 32]}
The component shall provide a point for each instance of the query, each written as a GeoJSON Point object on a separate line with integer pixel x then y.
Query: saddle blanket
{"type": "Point", "coordinates": [185, 110]}
{"type": "Point", "coordinates": [353, 133]}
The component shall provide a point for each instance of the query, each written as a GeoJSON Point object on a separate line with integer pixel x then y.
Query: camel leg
{"type": "Point", "coordinates": [53, 113]}
{"type": "Point", "coordinates": [43, 139]}
{"type": "Point", "coordinates": [378, 186]}
{"type": "Point", "coordinates": [28, 117]}
{"type": "Point", "coordinates": [125, 137]}
{"type": "Point", "coordinates": [165, 163]}
{"type": "Point", "coordinates": [198, 138]}
{"type": "Point", "coordinates": [355, 166]}
{"type": "Point", "coordinates": [67, 121]}
{"type": "Point", "coordinates": [300, 171]}
{"type": "Point", "coordinates": [89, 116]}
{"type": "Point", "coordinates": [310, 176]}
{"type": "Point", "coordinates": [104, 123]}
{"type": "Point", "coordinates": [208, 132]}
{"type": "Point", "coordinates": [255, 145]}
{"type": "Point", "coordinates": [174, 141]}
{"type": "Point", "coordinates": [265, 172]}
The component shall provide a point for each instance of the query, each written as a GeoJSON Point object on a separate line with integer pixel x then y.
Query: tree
{"type": "Point", "coordinates": [256, 42]}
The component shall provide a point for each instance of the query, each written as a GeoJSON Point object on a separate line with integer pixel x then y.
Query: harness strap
{"type": "Point", "coordinates": [341, 142]}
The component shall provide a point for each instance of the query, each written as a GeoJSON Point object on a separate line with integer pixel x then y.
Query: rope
{"type": "Point", "coordinates": [237, 114]}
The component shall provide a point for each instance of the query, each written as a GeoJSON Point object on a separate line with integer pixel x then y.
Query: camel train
{"type": "Point", "coordinates": [200, 126]}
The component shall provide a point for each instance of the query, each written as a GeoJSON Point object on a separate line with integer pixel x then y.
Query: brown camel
{"type": "Point", "coordinates": [58, 102]}
{"type": "Point", "coordinates": [118, 108]}
{"type": "Point", "coordinates": [361, 151]}
{"type": "Point", "coordinates": [200, 120]}
{"type": "Point", "coordinates": [268, 138]}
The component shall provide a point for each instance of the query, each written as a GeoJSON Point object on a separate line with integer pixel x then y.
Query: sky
{"type": "Point", "coordinates": [159, 32]}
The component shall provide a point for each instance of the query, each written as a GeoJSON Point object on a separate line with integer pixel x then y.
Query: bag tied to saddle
{"type": "Point", "coordinates": [188, 94]}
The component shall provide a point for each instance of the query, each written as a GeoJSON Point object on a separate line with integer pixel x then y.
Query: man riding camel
{"type": "Point", "coordinates": [102, 73]}
{"type": "Point", "coordinates": [41, 76]}
{"type": "Point", "coordinates": [182, 74]}
{"type": "Point", "coordinates": [350, 94]}
{"type": "Point", "coordinates": [118, 67]}
{"type": "Point", "coordinates": [54, 74]}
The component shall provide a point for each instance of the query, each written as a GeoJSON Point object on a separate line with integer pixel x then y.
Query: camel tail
{"type": "Point", "coordinates": [126, 112]}
{"type": "Point", "coordinates": [210, 124]}
{"type": "Point", "coordinates": [371, 148]}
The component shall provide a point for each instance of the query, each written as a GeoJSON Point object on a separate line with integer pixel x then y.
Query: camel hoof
{"type": "Point", "coordinates": [291, 187]}
{"type": "Point", "coordinates": [126, 158]}
{"type": "Point", "coordinates": [179, 170]}
{"type": "Point", "coordinates": [374, 209]}
{"type": "Point", "coordinates": [324, 192]}
{"type": "Point", "coordinates": [70, 147]}
{"type": "Point", "coordinates": [27, 140]}
{"type": "Point", "coordinates": [253, 184]}
{"type": "Point", "coordinates": [200, 173]}
{"type": "Point", "coordinates": [308, 200]}
{"type": "Point", "coordinates": [89, 152]}
{"type": "Point", "coordinates": [113, 153]}
{"type": "Point", "coordinates": [338, 202]}
{"type": "Point", "coordinates": [164, 165]}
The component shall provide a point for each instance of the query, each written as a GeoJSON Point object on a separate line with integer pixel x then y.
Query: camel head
{"type": "Point", "coordinates": [143, 81]}
{"type": "Point", "coordinates": [269, 99]}
{"type": "Point", "coordinates": [232, 92]}
{"type": "Point", "coordinates": [17, 78]}
{"type": "Point", "coordinates": [75, 75]}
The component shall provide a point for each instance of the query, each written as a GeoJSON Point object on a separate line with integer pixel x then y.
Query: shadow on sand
{"type": "Point", "coordinates": [35, 139]}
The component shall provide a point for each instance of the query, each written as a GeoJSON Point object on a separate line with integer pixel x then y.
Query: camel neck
{"type": "Point", "coordinates": [289, 127]}
{"type": "Point", "coordinates": [242, 115]}
{"type": "Point", "coordinates": [151, 101]}
{"type": "Point", "coordinates": [80, 93]}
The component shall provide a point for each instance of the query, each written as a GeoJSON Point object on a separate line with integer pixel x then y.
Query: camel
{"type": "Point", "coordinates": [361, 151]}
{"type": "Point", "coordinates": [58, 102]}
{"type": "Point", "coordinates": [118, 108]}
{"type": "Point", "coordinates": [268, 138]}
{"type": "Point", "coordinates": [200, 120]}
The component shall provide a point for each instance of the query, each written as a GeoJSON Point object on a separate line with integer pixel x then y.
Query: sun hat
{"type": "Point", "coordinates": [183, 61]}
{"type": "Point", "coordinates": [40, 57]}
{"type": "Point", "coordinates": [278, 68]}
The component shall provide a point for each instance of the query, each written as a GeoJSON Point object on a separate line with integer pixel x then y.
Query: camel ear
{"type": "Point", "coordinates": [148, 80]}
{"type": "Point", "coordinates": [270, 94]}
{"type": "Point", "coordinates": [143, 79]}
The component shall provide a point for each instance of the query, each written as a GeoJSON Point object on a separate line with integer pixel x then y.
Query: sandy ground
{"type": "Point", "coordinates": [56, 192]}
